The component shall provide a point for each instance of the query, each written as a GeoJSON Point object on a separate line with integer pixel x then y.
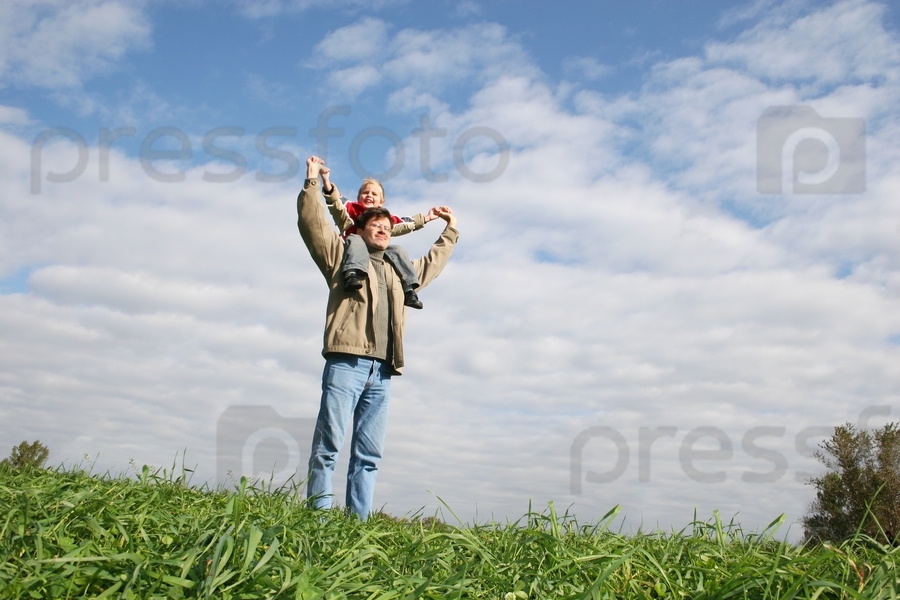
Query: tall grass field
{"type": "Point", "coordinates": [65, 533]}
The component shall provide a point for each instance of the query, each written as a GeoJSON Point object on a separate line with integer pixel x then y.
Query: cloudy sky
{"type": "Point", "coordinates": [678, 262]}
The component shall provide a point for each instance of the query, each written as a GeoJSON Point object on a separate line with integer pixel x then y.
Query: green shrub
{"type": "Point", "coordinates": [861, 490]}
{"type": "Point", "coordinates": [27, 455]}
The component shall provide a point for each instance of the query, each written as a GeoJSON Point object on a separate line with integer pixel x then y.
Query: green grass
{"type": "Point", "coordinates": [68, 534]}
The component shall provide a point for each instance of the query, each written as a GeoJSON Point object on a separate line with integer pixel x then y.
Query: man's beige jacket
{"type": "Point", "coordinates": [349, 317]}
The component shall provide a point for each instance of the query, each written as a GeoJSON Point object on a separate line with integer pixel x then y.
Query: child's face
{"type": "Point", "coordinates": [370, 196]}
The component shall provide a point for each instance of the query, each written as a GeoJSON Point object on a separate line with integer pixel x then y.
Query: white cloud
{"type": "Point", "coordinates": [584, 67]}
{"type": "Point", "coordinates": [257, 9]}
{"type": "Point", "coordinates": [59, 44]}
{"type": "Point", "coordinates": [480, 50]}
{"type": "Point", "coordinates": [467, 8]}
{"type": "Point", "coordinates": [10, 115]}
{"type": "Point", "coordinates": [840, 44]}
{"type": "Point", "coordinates": [425, 60]}
{"type": "Point", "coordinates": [358, 42]}
{"type": "Point", "coordinates": [355, 80]}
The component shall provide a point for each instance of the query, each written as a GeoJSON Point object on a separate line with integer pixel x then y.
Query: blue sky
{"type": "Point", "coordinates": [619, 266]}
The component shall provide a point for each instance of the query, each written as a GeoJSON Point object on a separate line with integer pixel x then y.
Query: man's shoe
{"type": "Point", "coordinates": [352, 283]}
{"type": "Point", "coordinates": [412, 300]}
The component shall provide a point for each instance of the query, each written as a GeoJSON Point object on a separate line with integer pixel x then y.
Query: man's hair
{"type": "Point", "coordinates": [366, 182]}
{"type": "Point", "coordinates": [376, 212]}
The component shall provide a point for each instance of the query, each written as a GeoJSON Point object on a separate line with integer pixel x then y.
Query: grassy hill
{"type": "Point", "coordinates": [68, 534]}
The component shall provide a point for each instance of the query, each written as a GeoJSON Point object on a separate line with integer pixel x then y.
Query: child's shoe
{"type": "Point", "coordinates": [411, 299]}
{"type": "Point", "coordinates": [352, 281]}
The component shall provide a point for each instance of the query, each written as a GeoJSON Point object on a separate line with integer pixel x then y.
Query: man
{"type": "Point", "coordinates": [363, 341]}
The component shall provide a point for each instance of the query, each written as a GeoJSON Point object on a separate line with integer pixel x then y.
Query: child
{"type": "Point", "coordinates": [356, 254]}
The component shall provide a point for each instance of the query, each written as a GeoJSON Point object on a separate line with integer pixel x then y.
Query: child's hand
{"type": "Point", "coordinates": [327, 186]}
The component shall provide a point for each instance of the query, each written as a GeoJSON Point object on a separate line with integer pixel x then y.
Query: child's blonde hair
{"type": "Point", "coordinates": [367, 181]}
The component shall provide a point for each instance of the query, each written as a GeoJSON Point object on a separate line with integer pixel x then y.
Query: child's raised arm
{"type": "Point", "coordinates": [415, 222]}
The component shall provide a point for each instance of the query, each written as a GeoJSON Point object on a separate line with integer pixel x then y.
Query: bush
{"type": "Point", "coordinates": [27, 455]}
{"type": "Point", "coordinates": [861, 490]}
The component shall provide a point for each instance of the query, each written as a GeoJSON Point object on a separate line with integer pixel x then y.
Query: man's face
{"type": "Point", "coordinates": [370, 196]}
{"type": "Point", "coordinates": [377, 233]}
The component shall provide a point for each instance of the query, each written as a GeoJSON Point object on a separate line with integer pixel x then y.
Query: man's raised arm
{"type": "Point", "coordinates": [430, 266]}
{"type": "Point", "coordinates": [321, 240]}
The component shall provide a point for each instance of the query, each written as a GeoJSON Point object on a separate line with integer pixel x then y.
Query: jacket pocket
{"type": "Point", "coordinates": [347, 316]}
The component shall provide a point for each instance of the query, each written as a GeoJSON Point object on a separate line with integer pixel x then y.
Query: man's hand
{"type": "Point", "coordinates": [314, 166]}
{"type": "Point", "coordinates": [446, 214]}
{"type": "Point", "coordinates": [435, 212]}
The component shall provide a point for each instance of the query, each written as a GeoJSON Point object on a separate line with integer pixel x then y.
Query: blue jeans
{"type": "Point", "coordinates": [357, 386]}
